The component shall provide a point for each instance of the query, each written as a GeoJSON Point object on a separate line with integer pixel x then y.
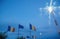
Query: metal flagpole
{"type": "Point", "coordinates": [55, 20]}
{"type": "Point", "coordinates": [56, 23]}
{"type": "Point", "coordinates": [30, 34]}
{"type": "Point", "coordinates": [30, 30]}
{"type": "Point", "coordinates": [18, 32]}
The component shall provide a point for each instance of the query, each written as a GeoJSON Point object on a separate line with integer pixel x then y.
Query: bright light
{"type": "Point", "coordinates": [50, 9]}
{"type": "Point", "coordinates": [40, 33]}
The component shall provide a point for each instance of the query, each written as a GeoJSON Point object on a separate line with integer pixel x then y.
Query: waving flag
{"type": "Point", "coordinates": [11, 29]}
{"type": "Point", "coordinates": [21, 26]}
{"type": "Point", "coordinates": [32, 27]}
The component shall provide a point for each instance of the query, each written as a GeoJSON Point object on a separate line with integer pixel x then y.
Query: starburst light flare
{"type": "Point", "coordinates": [50, 9]}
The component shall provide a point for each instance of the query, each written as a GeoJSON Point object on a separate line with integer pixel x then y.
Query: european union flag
{"type": "Point", "coordinates": [21, 26]}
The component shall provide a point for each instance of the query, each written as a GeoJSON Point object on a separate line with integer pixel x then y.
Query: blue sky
{"type": "Point", "coordinates": [14, 12]}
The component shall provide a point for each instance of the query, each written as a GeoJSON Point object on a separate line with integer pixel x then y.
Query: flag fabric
{"type": "Point", "coordinates": [56, 22]}
{"type": "Point", "coordinates": [11, 29]}
{"type": "Point", "coordinates": [32, 27]}
{"type": "Point", "coordinates": [21, 26]}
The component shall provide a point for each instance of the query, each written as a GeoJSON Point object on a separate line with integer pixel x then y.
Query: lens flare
{"type": "Point", "coordinates": [50, 9]}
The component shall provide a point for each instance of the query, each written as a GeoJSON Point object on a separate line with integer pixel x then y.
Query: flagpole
{"type": "Point", "coordinates": [54, 19]}
{"type": "Point", "coordinates": [30, 30]}
{"type": "Point", "coordinates": [30, 34]}
{"type": "Point", "coordinates": [18, 32]}
{"type": "Point", "coordinates": [56, 22]}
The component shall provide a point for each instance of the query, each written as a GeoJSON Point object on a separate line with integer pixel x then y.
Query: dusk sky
{"type": "Point", "coordinates": [24, 12]}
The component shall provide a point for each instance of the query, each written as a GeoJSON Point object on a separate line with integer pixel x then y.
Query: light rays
{"type": "Point", "coordinates": [50, 9]}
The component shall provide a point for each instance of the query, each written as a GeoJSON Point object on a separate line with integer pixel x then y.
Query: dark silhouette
{"type": "Point", "coordinates": [3, 35]}
{"type": "Point", "coordinates": [21, 37]}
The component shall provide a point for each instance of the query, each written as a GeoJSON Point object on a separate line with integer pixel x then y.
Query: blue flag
{"type": "Point", "coordinates": [21, 26]}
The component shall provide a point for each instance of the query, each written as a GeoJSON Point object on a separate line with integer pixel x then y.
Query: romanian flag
{"type": "Point", "coordinates": [11, 29]}
{"type": "Point", "coordinates": [32, 27]}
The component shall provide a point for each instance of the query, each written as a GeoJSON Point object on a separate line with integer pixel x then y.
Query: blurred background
{"type": "Point", "coordinates": [27, 14]}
